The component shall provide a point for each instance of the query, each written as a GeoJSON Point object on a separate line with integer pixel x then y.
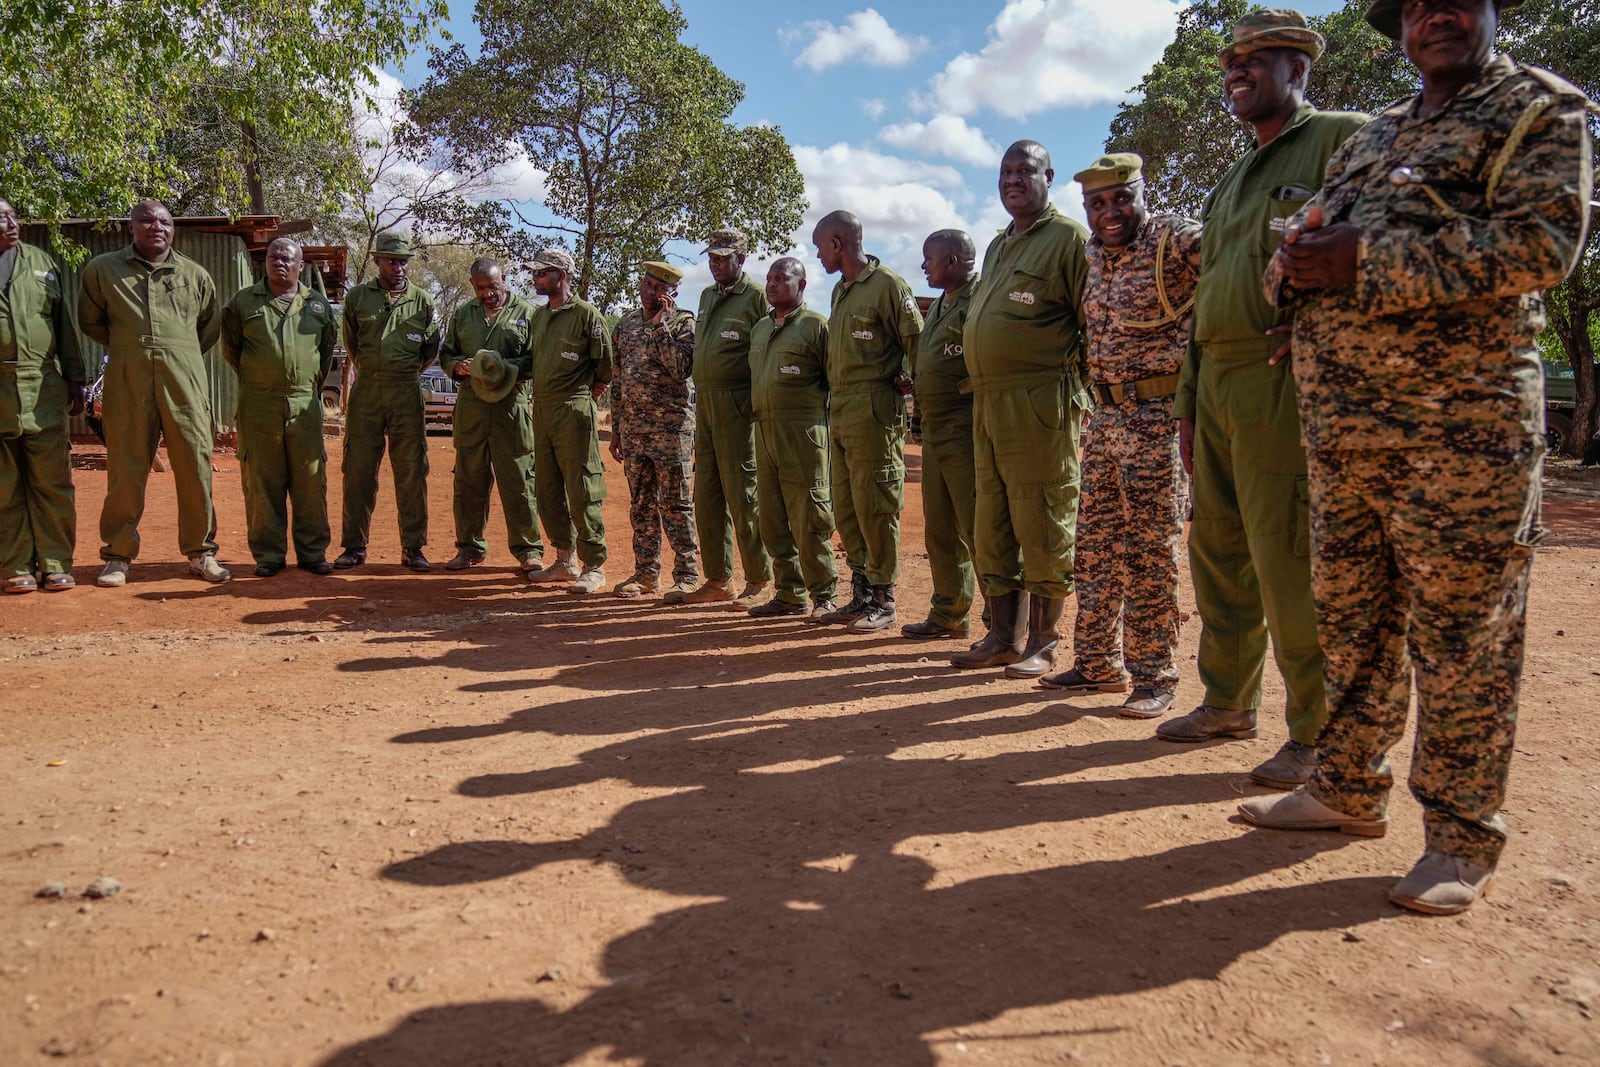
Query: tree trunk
{"type": "Point", "coordinates": [1580, 351]}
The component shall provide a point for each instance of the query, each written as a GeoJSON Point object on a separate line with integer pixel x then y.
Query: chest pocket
{"type": "Point", "coordinates": [175, 295]}
{"type": "Point", "coordinates": [257, 328]}
{"type": "Point", "coordinates": [1443, 182]}
{"type": "Point", "coordinates": [1025, 295]}
{"type": "Point", "coordinates": [1281, 205]}
{"type": "Point", "coordinates": [867, 335]}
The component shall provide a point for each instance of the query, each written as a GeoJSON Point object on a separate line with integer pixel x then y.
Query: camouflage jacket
{"type": "Point", "coordinates": [1464, 217]}
{"type": "Point", "coordinates": [1136, 328]}
{"type": "Point", "coordinates": [650, 401]}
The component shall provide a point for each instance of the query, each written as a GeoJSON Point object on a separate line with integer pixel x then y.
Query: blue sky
{"type": "Point", "coordinates": [897, 110]}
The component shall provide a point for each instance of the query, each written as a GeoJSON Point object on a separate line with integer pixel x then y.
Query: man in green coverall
{"type": "Point", "coordinates": [874, 322]}
{"type": "Point", "coordinates": [1238, 429]}
{"type": "Point", "coordinates": [789, 396]}
{"type": "Point", "coordinates": [155, 311]}
{"type": "Point", "coordinates": [41, 383]}
{"type": "Point", "coordinates": [724, 441]}
{"type": "Point", "coordinates": [1024, 354]}
{"type": "Point", "coordinates": [572, 363]}
{"type": "Point", "coordinates": [390, 333]}
{"type": "Point", "coordinates": [493, 439]}
{"type": "Point", "coordinates": [948, 492]}
{"type": "Point", "coordinates": [279, 336]}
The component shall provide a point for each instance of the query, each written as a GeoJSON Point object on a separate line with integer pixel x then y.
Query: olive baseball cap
{"type": "Point", "coordinates": [491, 376]}
{"type": "Point", "coordinates": [1384, 16]}
{"type": "Point", "coordinates": [727, 243]}
{"type": "Point", "coordinates": [1272, 27]}
{"type": "Point", "coordinates": [392, 244]}
{"type": "Point", "coordinates": [1118, 168]}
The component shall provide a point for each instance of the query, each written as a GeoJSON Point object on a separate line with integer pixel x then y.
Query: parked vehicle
{"type": "Point", "coordinates": [93, 398]}
{"type": "Point", "coordinates": [438, 396]}
{"type": "Point", "coordinates": [1560, 399]}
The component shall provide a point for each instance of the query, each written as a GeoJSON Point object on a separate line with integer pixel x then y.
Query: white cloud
{"type": "Point", "coordinates": [864, 37]}
{"type": "Point", "coordinates": [944, 135]}
{"type": "Point", "coordinates": [1057, 53]}
{"type": "Point", "coordinates": [873, 108]}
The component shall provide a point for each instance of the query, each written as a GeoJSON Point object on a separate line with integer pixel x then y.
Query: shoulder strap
{"type": "Point", "coordinates": [1170, 314]}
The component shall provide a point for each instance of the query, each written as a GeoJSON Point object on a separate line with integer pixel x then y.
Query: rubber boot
{"type": "Point", "coordinates": [1003, 643]}
{"type": "Point", "coordinates": [1044, 637]}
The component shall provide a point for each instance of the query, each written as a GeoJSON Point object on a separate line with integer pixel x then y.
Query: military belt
{"type": "Point", "coordinates": [1140, 389]}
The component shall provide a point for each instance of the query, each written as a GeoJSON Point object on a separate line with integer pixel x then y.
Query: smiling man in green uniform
{"type": "Point", "coordinates": [1249, 545]}
{"type": "Point", "coordinates": [492, 426]}
{"type": "Point", "coordinates": [279, 336]}
{"type": "Point", "coordinates": [1024, 354]}
{"type": "Point", "coordinates": [391, 333]}
{"type": "Point", "coordinates": [873, 324]}
{"type": "Point", "coordinates": [41, 383]}
{"type": "Point", "coordinates": [155, 312]}
{"type": "Point", "coordinates": [572, 362]}
{"type": "Point", "coordinates": [724, 440]}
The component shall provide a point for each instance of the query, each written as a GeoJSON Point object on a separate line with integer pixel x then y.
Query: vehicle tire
{"type": "Point", "coordinates": [1557, 431]}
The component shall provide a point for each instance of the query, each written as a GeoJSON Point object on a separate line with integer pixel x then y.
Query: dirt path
{"type": "Point", "coordinates": [385, 819]}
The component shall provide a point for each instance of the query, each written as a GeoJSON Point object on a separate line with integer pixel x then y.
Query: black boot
{"type": "Point", "coordinates": [1003, 643]}
{"type": "Point", "coordinates": [860, 601]}
{"type": "Point", "coordinates": [879, 614]}
{"type": "Point", "coordinates": [1044, 636]}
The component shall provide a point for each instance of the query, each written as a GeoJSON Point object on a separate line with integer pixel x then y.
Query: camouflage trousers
{"type": "Point", "coordinates": [1130, 524]}
{"type": "Point", "coordinates": [1420, 571]}
{"type": "Point", "coordinates": [659, 496]}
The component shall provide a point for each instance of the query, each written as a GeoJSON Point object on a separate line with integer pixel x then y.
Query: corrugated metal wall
{"type": "Point", "coordinates": [224, 255]}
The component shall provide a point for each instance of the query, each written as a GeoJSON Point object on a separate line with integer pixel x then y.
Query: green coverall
{"type": "Point", "coordinates": [494, 441]}
{"type": "Point", "coordinates": [282, 354]}
{"type": "Point", "coordinates": [39, 355]}
{"type": "Point", "coordinates": [724, 440]}
{"type": "Point", "coordinates": [1249, 545]}
{"type": "Point", "coordinates": [389, 341]}
{"type": "Point", "coordinates": [948, 490]}
{"type": "Point", "coordinates": [156, 321]}
{"type": "Point", "coordinates": [789, 395]}
{"type": "Point", "coordinates": [571, 355]}
{"type": "Point", "coordinates": [1024, 355]}
{"type": "Point", "coordinates": [873, 323]}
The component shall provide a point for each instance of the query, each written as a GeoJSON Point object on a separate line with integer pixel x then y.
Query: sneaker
{"type": "Point", "coordinates": [207, 567]}
{"type": "Point", "coordinates": [592, 580]}
{"type": "Point", "coordinates": [1441, 885]}
{"type": "Point", "coordinates": [778, 606]}
{"type": "Point", "coordinates": [1300, 810]}
{"type": "Point", "coordinates": [461, 561]}
{"type": "Point", "coordinates": [57, 582]}
{"type": "Point", "coordinates": [564, 568]}
{"type": "Point", "coordinates": [821, 610]}
{"type": "Point", "coordinates": [637, 586]}
{"type": "Point", "coordinates": [713, 591]}
{"type": "Point", "coordinates": [530, 562]}
{"type": "Point", "coordinates": [22, 583]}
{"type": "Point", "coordinates": [1205, 723]}
{"type": "Point", "coordinates": [679, 591]}
{"type": "Point", "coordinates": [1292, 766]}
{"type": "Point", "coordinates": [113, 574]}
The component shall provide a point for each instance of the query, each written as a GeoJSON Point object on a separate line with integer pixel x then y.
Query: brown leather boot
{"type": "Point", "coordinates": [1003, 643]}
{"type": "Point", "coordinates": [1044, 637]}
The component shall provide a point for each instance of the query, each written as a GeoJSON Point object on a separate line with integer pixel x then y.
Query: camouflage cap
{"type": "Point", "coordinates": [1384, 16]}
{"type": "Point", "coordinates": [393, 244]}
{"type": "Point", "coordinates": [1118, 168]}
{"type": "Point", "coordinates": [727, 243]}
{"type": "Point", "coordinates": [662, 272]}
{"type": "Point", "coordinates": [491, 376]}
{"type": "Point", "coordinates": [1272, 27]}
{"type": "Point", "coordinates": [548, 258]}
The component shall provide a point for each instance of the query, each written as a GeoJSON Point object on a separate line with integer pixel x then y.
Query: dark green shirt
{"type": "Point", "coordinates": [277, 350]}
{"type": "Point", "coordinates": [940, 365]}
{"type": "Point", "coordinates": [722, 334]}
{"type": "Point", "coordinates": [390, 338]}
{"type": "Point", "coordinates": [1025, 323]}
{"type": "Point", "coordinates": [128, 304]}
{"type": "Point", "coordinates": [789, 367]}
{"type": "Point", "coordinates": [510, 334]}
{"type": "Point", "coordinates": [874, 323]}
{"type": "Point", "coordinates": [38, 346]}
{"type": "Point", "coordinates": [571, 350]}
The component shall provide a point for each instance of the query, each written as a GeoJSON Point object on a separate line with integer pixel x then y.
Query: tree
{"type": "Point", "coordinates": [629, 123]}
{"type": "Point", "coordinates": [1181, 126]}
{"type": "Point", "coordinates": [93, 90]}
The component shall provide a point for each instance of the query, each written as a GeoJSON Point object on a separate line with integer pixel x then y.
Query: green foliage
{"type": "Point", "coordinates": [629, 123]}
{"type": "Point", "coordinates": [107, 101]}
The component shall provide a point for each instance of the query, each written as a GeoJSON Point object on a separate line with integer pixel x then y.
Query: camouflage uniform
{"type": "Point", "coordinates": [1130, 520]}
{"type": "Point", "coordinates": [652, 411]}
{"type": "Point", "coordinates": [1419, 393]}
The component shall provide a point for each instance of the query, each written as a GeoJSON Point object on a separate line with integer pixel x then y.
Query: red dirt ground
{"type": "Point", "coordinates": [378, 818]}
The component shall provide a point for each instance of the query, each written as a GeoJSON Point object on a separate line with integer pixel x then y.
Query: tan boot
{"type": "Point", "coordinates": [638, 585]}
{"type": "Point", "coordinates": [678, 591]}
{"type": "Point", "coordinates": [1441, 885]}
{"type": "Point", "coordinates": [712, 591]}
{"type": "Point", "coordinates": [1300, 810]}
{"type": "Point", "coordinates": [1044, 637]}
{"type": "Point", "coordinates": [563, 569]}
{"type": "Point", "coordinates": [754, 593]}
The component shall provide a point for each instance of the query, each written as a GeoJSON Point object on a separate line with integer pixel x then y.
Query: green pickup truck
{"type": "Point", "coordinates": [1560, 397]}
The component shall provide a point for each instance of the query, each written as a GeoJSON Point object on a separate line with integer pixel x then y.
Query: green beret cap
{"type": "Point", "coordinates": [727, 243]}
{"type": "Point", "coordinates": [1384, 16]}
{"type": "Point", "coordinates": [552, 258]}
{"type": "Point", "coordinates": [392, 244]}
{"type": "Point", "coordinates": [491, 376]}
{"type": "Point", "coordinates": [1272, 27]}
{"type": "Point", "coordinates": [662, 272]}
{"type": "Point", "coordinates": [1118, 168]}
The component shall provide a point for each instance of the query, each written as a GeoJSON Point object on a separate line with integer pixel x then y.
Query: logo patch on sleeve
{"type": "Point", "coordinates": [597, 330]}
